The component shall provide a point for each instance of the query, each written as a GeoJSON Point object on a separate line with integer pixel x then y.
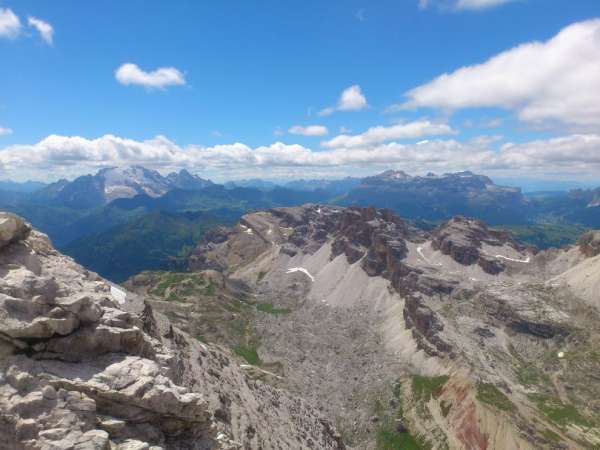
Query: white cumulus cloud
{"type": "Point", "coordinates": [4, 131]}
{"type": "Point", "coordinates": [310, 130]}
{"type": "Point", "coordinates": [44, 28]}
{"type": "Point", "coordinates": [158, 79]}
{"type": "Point", "coordinates": [543, 82]}
{"type": "Point", "coordinates": [380, 134]}
{"type": "Point", "coordinates": [351, 99]}
{"type": "Point", "coordinates": [570, 156]}
{"type": "Point", "coordinates": [10, 24]}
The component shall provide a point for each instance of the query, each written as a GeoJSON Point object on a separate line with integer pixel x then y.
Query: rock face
{"type": "Point", "coordinates": [86, 365]}
{"type": "Point", "coordinates": [462, 239]}
{"type": "Point", "coordinates": [589, 243]}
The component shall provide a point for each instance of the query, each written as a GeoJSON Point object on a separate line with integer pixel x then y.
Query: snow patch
{"type": "Point", "coordinates": [523, 261]}
{"type": "Point", "coordinates": [246, 229]}
{"type": "Point", "coordinates": [303, 270]}
{"type": "Point", "coordinates": [118, 294]}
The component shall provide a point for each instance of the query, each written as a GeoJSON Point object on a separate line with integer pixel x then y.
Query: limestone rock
{"type": "Point", "coordinates": [12, 229]}
{"type": "Point", "coordinates": [82, 370]}
{"type": "Point", "coordinates": [589, 243]}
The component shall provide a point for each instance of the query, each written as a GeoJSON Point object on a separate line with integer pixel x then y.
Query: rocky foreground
{"type": "Point", "coordinates": [87, 365]}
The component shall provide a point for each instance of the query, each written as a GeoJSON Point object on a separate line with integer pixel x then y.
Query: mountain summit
{"type": "Point", "coordinates": [115, 182]}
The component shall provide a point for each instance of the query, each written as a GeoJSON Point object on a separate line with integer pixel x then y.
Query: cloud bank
{"type": "Point", "coordinates": [68, 156]}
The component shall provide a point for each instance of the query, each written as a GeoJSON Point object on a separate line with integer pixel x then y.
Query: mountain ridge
{"type": "Point", "coordinates": [113, 183]}
{"type": "Point", "coordinates": [498, 329]}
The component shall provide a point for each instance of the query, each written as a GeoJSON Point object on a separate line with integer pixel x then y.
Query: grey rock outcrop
{"type": "Point", "coordinates": [461, 238]}
{"type": "Point", "coordinates": [12, 229]}
{"type": "Point", "coordinates": [589, 243]}
{"type": "Point", "coordinates": [85, 365]}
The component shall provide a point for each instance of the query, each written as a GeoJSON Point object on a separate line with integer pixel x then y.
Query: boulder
{"type": "Point", "coordinates": [12, 229]}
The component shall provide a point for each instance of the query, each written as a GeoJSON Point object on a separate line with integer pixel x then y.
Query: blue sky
{"type": "Point", "coordinates": [250, 71]}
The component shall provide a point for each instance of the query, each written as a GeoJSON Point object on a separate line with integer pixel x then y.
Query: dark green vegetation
{"type": "Point", "coordinates": [392, 432]}
{"type": "Point", "coordinates": [389, 439]}
{"type": "Point", "coordinates": [546, 235]}
{"type": "Point", "coordinates": [490, 394]}
{"type": "Point", "coordinates": [207, 307]}
{"type": "Point", "coordinates": [201, 305]}
{"type": "Point", "coordinates": [181, 286]}
{"type": "Point", "coordinates": [425, 387]}
{"type": "Point", "coordinates": [558, 412]}
{"type": "Point", "coordinates": [155, 241]}
{"type": "Point", "coordinates": [249, 353]}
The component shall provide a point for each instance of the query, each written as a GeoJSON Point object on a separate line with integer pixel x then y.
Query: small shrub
{"type": "Point", "coordinates": [490, 394]}
{"type": "Point", "coordinates": [249, 353]}
{"type": "Point", "coordinates": [557, 411]}
{"type": "Point", "coordinates": [390, 440]}
{"type": "Point", "coordinates": [551, 435]}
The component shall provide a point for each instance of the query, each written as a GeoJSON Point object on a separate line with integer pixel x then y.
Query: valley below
{"type": "Point", "coordinates": [458, 338]}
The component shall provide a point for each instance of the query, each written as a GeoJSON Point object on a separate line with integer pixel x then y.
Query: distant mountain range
{"type": "Point", "coordinates": [89, 191]}
{"type": "Point", "coordinates": [437, 197]}
{"type": "Point", "coordinates": [117, 206]}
